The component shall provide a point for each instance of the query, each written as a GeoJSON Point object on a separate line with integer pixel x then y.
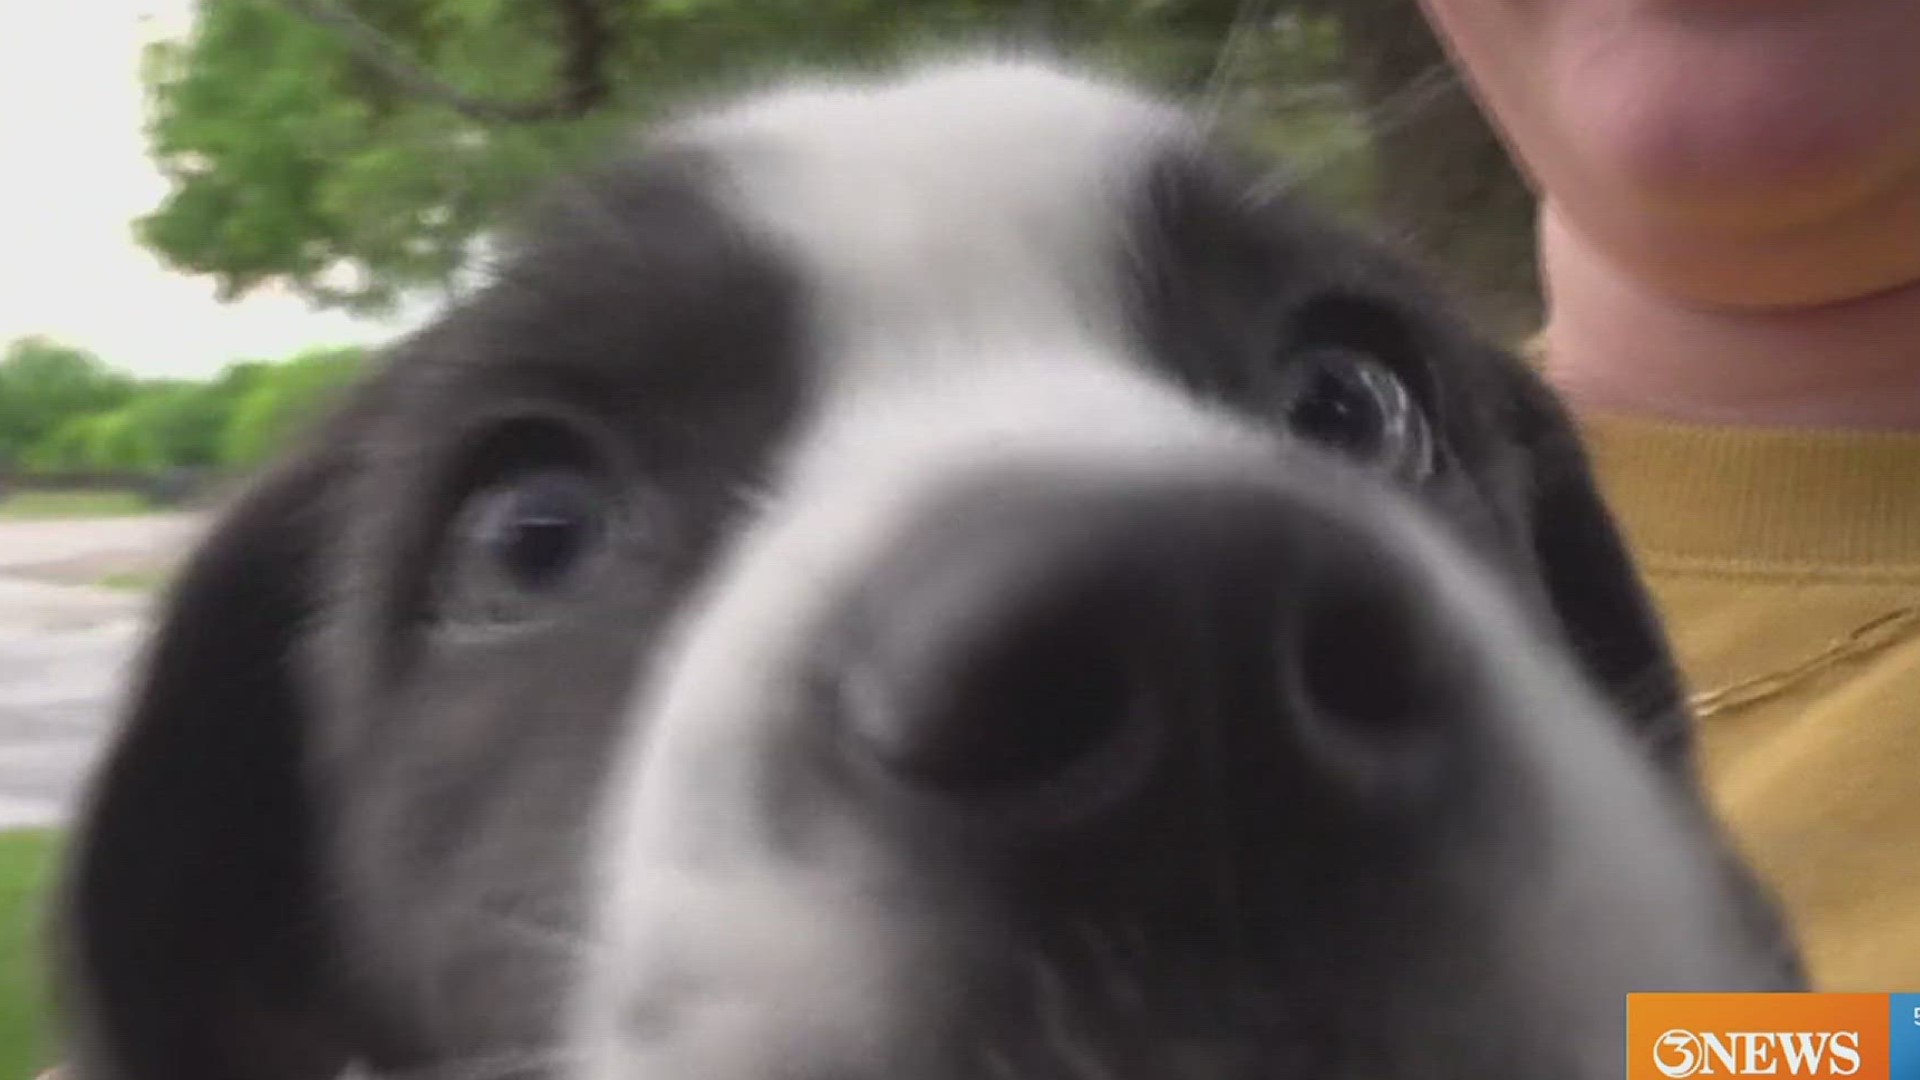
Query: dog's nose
{"type": "Point", "coordinates": [1068, 639]}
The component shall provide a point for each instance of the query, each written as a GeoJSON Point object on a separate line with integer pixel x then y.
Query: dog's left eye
{"type": "Point", "coordinates": [1358, 406]}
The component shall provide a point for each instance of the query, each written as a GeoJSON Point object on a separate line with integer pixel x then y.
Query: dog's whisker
{"type": "Point", "coordinates": [1220, 832]}
{"type": "Point", "coordinates": [1247, 17]}
{"type": "Point", "coordinates": [999, 1066]}
{"type": "Point", "coordinates": [1059, 1033]}
{"type": "Point", "coordinates": [569, 944]}
{"type": "Point", "coordinates": [1116, 974]}
{"type": "Point", "coordinates": [1399, 110]}
{"type": "Point", "coordinates": [500, 1065]}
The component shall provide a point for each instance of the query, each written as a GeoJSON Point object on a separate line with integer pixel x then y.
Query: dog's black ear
{"type": "Point", "coordinates": [189, 942]}
{"type": "Point", "coordinates": [1594, 585]}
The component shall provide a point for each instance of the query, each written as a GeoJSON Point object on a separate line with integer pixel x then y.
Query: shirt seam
{"type": "Point", "coordinates": [1701, 566]}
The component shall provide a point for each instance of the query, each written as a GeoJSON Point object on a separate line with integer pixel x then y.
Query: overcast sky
{"type": "Point", "coordinates": [73, 176]}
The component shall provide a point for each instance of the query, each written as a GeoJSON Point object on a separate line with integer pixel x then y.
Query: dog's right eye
{"type": "Point", "coordinates": [520, 542]}
{"type": "Point", "coordinates": [535, 529]}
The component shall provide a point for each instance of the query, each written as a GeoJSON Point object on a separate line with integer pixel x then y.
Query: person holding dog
{"type": "Point", "coordinates": [1729, 223]}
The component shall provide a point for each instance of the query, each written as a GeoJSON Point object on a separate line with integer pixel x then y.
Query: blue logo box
{"type": "Point", "coordinates": [1905, 1030]}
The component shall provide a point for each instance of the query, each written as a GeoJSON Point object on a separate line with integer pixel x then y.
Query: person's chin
{"type": "Point", "coordinates": [1725, 148]}
{"type": "Point", "coordinates": [1756, 256]}
{"type": "Point", "coordinates": [1667, 129]}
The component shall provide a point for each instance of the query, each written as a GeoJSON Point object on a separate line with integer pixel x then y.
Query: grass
{"type": "Point", "coordinates": [133, 580]}
{"type": "Point", "coordinates": [47, 505]}
{"type": "Point", "coordinates": [26, 871]}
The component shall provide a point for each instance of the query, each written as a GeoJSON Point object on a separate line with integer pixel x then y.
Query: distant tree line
{"type": "Point", "coordinates": [63, 409]}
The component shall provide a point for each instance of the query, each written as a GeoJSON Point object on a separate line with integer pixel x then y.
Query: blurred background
{"type": "Point", "coordinates": [212, 210]}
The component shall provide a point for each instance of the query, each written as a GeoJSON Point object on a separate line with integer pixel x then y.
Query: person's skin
{"type": "Point", "coordinates": [1730, 199]}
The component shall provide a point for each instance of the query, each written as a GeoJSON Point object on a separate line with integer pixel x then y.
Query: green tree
{"type": "Point", "coordinates": [181, 421]}
{"type": "Point", "coordinates": [239, 417]}
{"type": "Point", "coordinates": [44, 384]}
{"type": "Point", "coordinates": [116, 441]}
{"type": "Point", "coordinates": [280, 401]}
{"type": "Point", "coordinates": [235, 380]}
{"type": "Point", "coordinates": [357, 149]}
{"type": "Point", "coordinates": [64, 449]}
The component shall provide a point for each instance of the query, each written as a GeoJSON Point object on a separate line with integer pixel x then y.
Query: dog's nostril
{"type": "Point", "coordinates": [1353, 659]}
{"type": "Point", "coordinates": [1058, 660]}
{"type": "Point", "coordinates": [1359, 680]}
{"type": "Point", "coordinates": [991, 705]}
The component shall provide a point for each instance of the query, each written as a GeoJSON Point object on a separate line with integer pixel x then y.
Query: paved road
{"type": "Point", "coordinates": [65, 644]}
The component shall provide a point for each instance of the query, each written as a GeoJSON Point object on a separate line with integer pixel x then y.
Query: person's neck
{"type": "Point", "coordinates": [1613, 344]}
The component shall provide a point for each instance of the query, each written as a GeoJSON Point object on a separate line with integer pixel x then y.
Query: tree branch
{"type": "Point", "coordinates": [583, 74]}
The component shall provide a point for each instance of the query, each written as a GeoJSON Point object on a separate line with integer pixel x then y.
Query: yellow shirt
{"type": "Point", "coordinates": [1787, 565]}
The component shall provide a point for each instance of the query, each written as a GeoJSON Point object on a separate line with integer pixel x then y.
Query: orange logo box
{"type": "Point", "coordinates": [1675, 1036]}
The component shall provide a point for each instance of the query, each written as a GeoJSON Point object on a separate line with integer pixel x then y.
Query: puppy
{"type": "Point", "coordinates": [926, 577]}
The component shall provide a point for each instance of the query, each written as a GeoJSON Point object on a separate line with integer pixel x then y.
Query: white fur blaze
{"type": "Point", "coordinates": [961, 233]}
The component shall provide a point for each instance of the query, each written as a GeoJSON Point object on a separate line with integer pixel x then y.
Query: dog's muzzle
{"type": "Point", "coordinates": [1192, 773]}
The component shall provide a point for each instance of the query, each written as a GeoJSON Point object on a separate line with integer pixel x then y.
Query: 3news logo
{"type": "Point", "coordinates": [1757, 1053]}
{"type": "Point", "coordinates": [1852, 1036]}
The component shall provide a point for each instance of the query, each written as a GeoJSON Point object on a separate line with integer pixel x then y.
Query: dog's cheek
{"type": "Point", "coordinates": [464, 821]}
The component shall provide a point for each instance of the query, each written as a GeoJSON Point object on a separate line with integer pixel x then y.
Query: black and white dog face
{"type": "Point", "coordinates": [928, 579]}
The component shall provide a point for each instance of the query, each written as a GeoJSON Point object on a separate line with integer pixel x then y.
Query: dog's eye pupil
{"type": "Point", "coordinates": [1337, 407]}
{"type": "Point", "coordinates": [537, 528]}
{"type": "Point", "coordinates": [1355, 405]}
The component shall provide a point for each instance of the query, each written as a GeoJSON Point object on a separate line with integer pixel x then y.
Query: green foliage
{"type": "Point", "coordinates": [294, 162]}
{"type": "Point", "coordinates": [235, 420]}
{"type": "Point", "coordinates": [278, 407]}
